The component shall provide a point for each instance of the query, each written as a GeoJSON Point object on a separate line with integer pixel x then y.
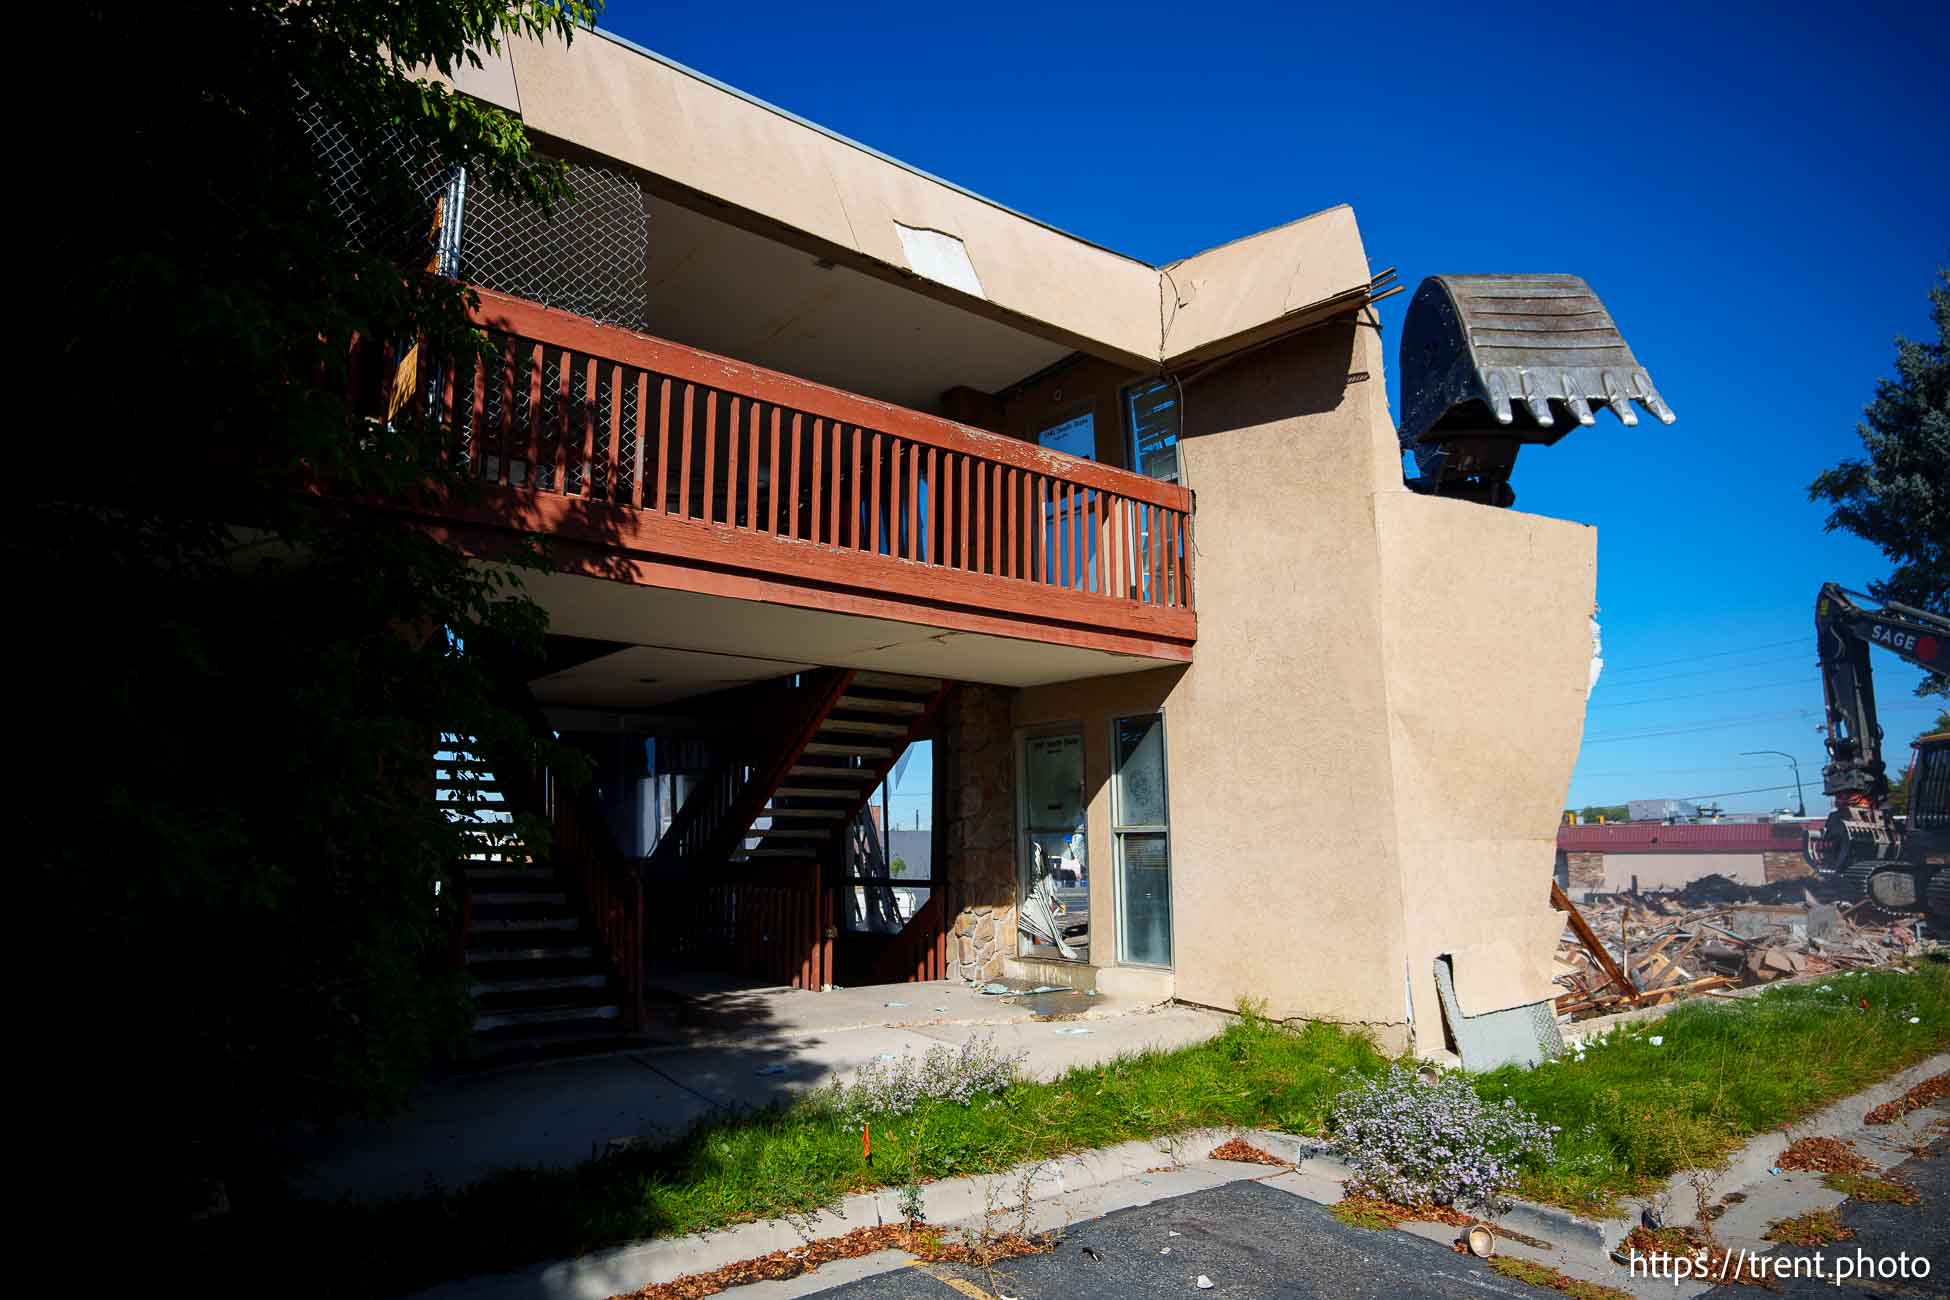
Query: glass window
{"type": "Point", "coordinates": [1141, 832]}
{"type": "Point", "coordinates": [1075, 437]}
{"type": "Point", "coordinates": [1053, 907]}
{"type": "Point", "coordinates": [1151, 420]}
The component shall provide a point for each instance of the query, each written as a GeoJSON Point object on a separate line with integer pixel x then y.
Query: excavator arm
{"type": "Point", "coordinates": [1859, 835]}
{"type": "Point", "coordinates": [1845, 631]}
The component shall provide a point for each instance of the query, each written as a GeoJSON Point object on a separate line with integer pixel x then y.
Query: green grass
{"type": "Point", "coordinates": [794, 1160]}
{"type": "Point", "coordinates": [1631, 1114]}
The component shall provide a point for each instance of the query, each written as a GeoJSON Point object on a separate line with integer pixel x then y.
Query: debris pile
{"type": "Point", "coordinates": [1643, 949]}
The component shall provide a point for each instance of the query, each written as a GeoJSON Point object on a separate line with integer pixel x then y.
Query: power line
{"type": "Point", "coordinates": [1713, 725]}
{"type": "Point", "coordinates": [1703, 672]}
{"type": "Point", "coordinates": [1728, 794]}
{"type": "Point", "coordinates": [1717, 654]}
{"type": "Point", "coordinates": [1693, 771]}
{"type": "Point", "coordinates": [1701, 695]}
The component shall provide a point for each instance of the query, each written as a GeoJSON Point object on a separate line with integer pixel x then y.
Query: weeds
{"type": "Point", "coordinates": [1358, 1211]}
{"type": "Point", "coordinates": [1535, 1274]}
{"type": "Point", "coordinates": [1815, 1228]}
{"type": "Point", "coordinates": [1872, 1190]}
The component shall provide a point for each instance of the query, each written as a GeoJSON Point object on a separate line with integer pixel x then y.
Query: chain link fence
{"type": "Point", "coordinates": [590, 257]}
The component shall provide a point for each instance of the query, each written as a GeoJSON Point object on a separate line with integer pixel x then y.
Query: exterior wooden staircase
{"type": "Point", "coordinates": [848, 752]}
{"type": "Point", "coordinates": [552, 944]}
{"type": "Point", "coordinates": [749, 871]}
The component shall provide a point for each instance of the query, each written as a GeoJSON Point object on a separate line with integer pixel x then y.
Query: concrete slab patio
{"type": "Point", "coordinates": [715, 1047]}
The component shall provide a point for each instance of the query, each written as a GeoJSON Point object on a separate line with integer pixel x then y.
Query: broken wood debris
{"type": "Point", "coordinates": [1649, 949]}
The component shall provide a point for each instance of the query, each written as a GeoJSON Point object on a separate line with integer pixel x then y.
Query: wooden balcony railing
{"type": "Point", "coordinates": [685, 460]}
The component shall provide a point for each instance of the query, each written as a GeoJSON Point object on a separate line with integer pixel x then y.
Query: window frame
{"type": "Point", "coordinates": [1127, 417]}
{"type": "Point", "coordinates": [1025, 831]}
{"type": "Point", "coordinates": [1119, 829]}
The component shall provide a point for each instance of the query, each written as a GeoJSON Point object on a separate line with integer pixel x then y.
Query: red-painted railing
{"type": "Point", "coordinates": [607, 886]}
{"type": "Point", "coordinates": [593, 413]}
{"type": "Point", "coordinates": [920, 950]}
{"type": "Point", "coordinates": [773, 923]}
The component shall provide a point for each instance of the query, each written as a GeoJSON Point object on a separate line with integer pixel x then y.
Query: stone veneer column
{"type": "Point", "coordinates": [979, 873]}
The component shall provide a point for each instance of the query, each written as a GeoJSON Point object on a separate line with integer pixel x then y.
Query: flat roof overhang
{"type": "Point", "coordinates": [677, 643]}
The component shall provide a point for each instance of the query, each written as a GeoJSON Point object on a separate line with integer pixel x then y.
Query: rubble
{"type": "Point", "coordinates": [1716, 934]}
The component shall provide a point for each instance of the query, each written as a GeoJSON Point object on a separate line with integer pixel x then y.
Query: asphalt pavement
{"type": "Point", "coordinates": [1247, 1239]}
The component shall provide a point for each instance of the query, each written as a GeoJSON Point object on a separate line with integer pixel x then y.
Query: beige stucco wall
{"type": "Point", "coordinates": [1369, 754]}
{"type": "Point", "coordinates": [1287, 884]}
{"type": "Point", "coordinates": [756, 166]}
{"type": "Point", "coordinates": [1488, 646]}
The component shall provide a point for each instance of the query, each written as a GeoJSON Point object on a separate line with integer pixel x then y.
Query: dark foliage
{"type": "Point", "coordinates": [237, 671]}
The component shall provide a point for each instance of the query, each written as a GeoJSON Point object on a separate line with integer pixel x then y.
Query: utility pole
{"type": "Point", "coordinates": [1800, 804]}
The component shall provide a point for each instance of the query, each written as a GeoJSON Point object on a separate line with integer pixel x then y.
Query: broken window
{"type": "Point", "coordinates": [1053, 876]}
{"type": "Point", "coordinates": [1140, 831]}
{"type": "Point", "coordinates": [1151, 421]}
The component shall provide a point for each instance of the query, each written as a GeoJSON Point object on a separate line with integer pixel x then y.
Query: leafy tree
{"type": "Point", "coordinates": [238, 675]}
{"type": "Point", "coordinates": [897, 867]}
{"type": "Point", "coordinates": [1898, 496]}
{"type": "Point", "coordinates": [1611, 812]}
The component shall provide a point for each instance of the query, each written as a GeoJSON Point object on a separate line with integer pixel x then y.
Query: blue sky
{"type": "Point", "coordinates": [1759, 194]}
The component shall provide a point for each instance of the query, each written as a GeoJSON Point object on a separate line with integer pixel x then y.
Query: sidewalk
{"type": "Point", "coordinates": [714, 1046]}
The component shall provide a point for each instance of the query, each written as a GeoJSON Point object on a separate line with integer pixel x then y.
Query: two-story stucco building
{"type": "Point", "coordinates": [835, 455]}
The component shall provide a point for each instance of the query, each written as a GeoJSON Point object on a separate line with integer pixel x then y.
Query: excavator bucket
{"type": "Point", "coordinates": [1492, 362]}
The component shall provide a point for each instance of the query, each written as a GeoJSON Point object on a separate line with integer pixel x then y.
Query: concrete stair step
{"type": "Point", "coordinates": [521, 898]}
{"type": "Point", "coordinates": [923, 686]}
{"type": "Point", "coordinates": [546, 1016]}
{"type": "Point", "coordinates": [483, 988]}
{"type": "Point", "coordinates": [849, 750]}
{"type": "Point", "coordinates": [516, 925]}
{"type": "Point", "coordinates": [541, 953]}
{"type": "Point", "coordinates": [864, 726]}
{"type": "Point", "coordinates": [879, 704]}
{"type": "Point", "coordinates": [510, 872]}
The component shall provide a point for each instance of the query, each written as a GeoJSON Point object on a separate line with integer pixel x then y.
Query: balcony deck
{"type": "Point", "coordinates": [650, 462]}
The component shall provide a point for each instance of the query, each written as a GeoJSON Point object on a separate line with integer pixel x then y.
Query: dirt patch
{"type": "Point", "coordinates": [922, 1241]}
{"type": "Point", "coordinates": [1815, 1228]}
{"type": "Point", "coordinates": [1824, 1155]}
{"type": "Point", "coordinates": [1720, 1263]}
{"type": "Point", "coordinates": [1246, 1153]}
{"type": "Point", "coordinates": [1915, 1099]}
{"type": "Point", "coordinates": [1535, 1274]}
{"type": "Point", "coordinates": [1373, 1212]}
{"type": "Point", "coordinates": [1872, 1190]}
